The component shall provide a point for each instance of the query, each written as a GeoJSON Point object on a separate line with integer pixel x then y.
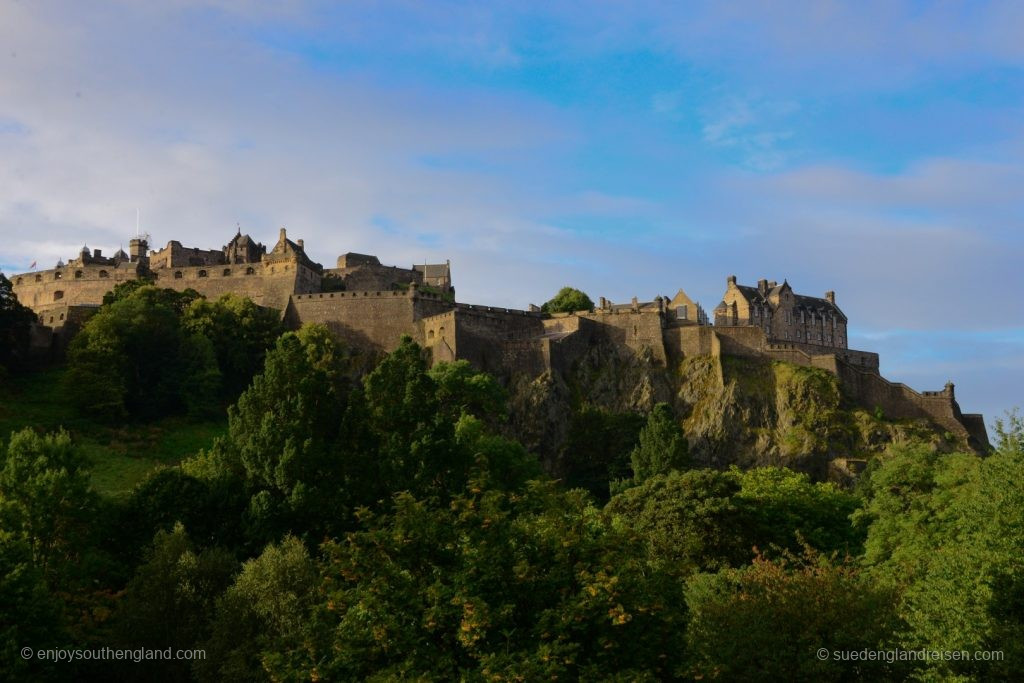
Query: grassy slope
{"type": "Point", "coordinates": [121, 456]}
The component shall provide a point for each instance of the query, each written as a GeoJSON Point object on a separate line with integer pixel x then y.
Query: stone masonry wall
{"type": "Point", "coordinates": [58, 287]}
{"type": "Point", "coordinates": [375, 320]}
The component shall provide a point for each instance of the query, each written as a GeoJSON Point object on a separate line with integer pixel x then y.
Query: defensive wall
{"type": "Point", "coordinates": [266, 285]}
{"type": "Point", "coordinates": [369, 320]}
{"type": "Point", "coordinates": [60, 287]}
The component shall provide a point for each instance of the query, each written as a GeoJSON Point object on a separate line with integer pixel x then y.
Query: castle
{"type": "Point", "coordinates": [370, 306]}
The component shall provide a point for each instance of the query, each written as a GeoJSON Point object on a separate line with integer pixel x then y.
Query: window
{"type": "Point", "coordinates": [58, 295]}
{"type": "Point", "coordinates": [104, 273]}
{"type": "Point", "coordinates": [18, 281]}
{"type": "Point", "coordinates": [39, 278]}
{"type": "Point", "coordinates": [227, 271]}
{"type": "Point", "coordinates": [177, 275]}
{"type": "Point", "coordinates": [681, 312]}
{"type": "Point", "coordinates": [61, 317]}
{"type": "Point", "coordinates": [78, 274]}
{"type": "Point", "coordinates": [202, 273]}
{"type": "Point", "coordinates": [430, 334]}
{"type": "Point", "coordinates": [58, 275]}
{"type": "Point", "coordinates": [250, 270]}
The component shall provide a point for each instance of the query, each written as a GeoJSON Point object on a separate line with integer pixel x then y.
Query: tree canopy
{"type": "Point", "coordinates": [568, 300]}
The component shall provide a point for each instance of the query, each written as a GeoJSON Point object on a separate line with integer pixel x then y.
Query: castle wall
{"type": "Point", "coordinates": [369, 320]}
{"type": "Point", "coordinates": [691, 340]}
{"type": "Point", "coordinates": [481, 333]}
{"type": "Point", "coordinates": [636, 331]}
{"type": "Point", "coordinates": [174, 255]}
{"type": "Point", "coordinates": [74, 286]}
{"type": "Point", "coordinates": [267, 285]}
{"type": "Point", "coordinates": [899, 401]}
{"type": "Point", "coordinates": [373, 276]}
{"type": "Point", "coordinates": [746, 341]}
{"type": "Point", "coordinates": [531, 357]}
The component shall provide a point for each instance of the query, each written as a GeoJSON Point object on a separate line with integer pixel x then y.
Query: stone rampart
{"type": "Point", "coordinates": [374, 320]}
{"type": "Point", "coordinates": [639, 331]}
{"type": "Point", "coordinates": [75, 286]}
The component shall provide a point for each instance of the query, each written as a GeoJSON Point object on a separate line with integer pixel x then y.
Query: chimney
{"type": "Point", "coordinates": [772, 284]}
{"type": "Point", "coordinates": [283, 236]}
{"type": "Point", "coordinates": [731, 280]}
{"type": "Point", "coordinates": [604, 303]}
{"type": "Point", "coordinates": [830, 296]}
{"type": "Point", "coordinates": [762, 286]}
{"type": "Point", "coordinates": [97, 253]}
{"type": "Point", "coordinates": [302, 245]}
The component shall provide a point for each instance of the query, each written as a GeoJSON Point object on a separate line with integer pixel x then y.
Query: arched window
{"type": "Point", "coordinates": [58, 295]}
{"type": "Point", "coordinates": [58, 275]}
{"type": "Point", "coordinates": [250, 270]}
{"type": "Point", "coordinates": [202, 273]}
{"type": "Point", "coordinates": [18, 281]}
{"type": "Point", "coordinates": [61, 316]}
{"type": "Point", "coordinates": [227, 271]}
{"type": "Point", "coordinates": [177, 275]}
{"type": "Point", "coordinates": [78, 275]}
{"type": "Point", "coordinates": [430, 334]}
{"type": "Point", "coordinates": [39, 278]}
{"type": "Point", "coordinates": [104, 273]}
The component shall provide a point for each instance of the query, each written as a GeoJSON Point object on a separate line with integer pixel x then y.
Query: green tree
{"type": "Point", "coordinates": [946, 530]}
{"type": "Point", "coordinates": [662, 448]}
{"type": "Point", "coordinates": [126, 359]}
{"type": "Point", "coordinates": [461, 389]}
{"type": "Point", "coordinates": [123, 290]}
{"type": "Point", "coordinates": [790, 511]}
{"type": "Point", "coordinates": [526, 586]}
{"type": "Point", "coordinates": [170, 601]}
{"type": "Point", "coordinates": [767, 622]}
{"type": "Point", "coordinates": [568, 300]}
{"type": "Point", "coordinates": [30, 616]}
{"type": "Point", "coordinates": [690, 521]}
{"type": "Point", "coordinates": [264, 610]}
{"type": "Point", "coordinates": [15, 323]}
{"type": "Point", "coordinates": [414, 438]}
{"type": "Point", "coordinates": [281, 435]}
{"type": "Point", "coordinates": [241, 333]}
{"type": "Point", "coordinates": [45, 500]}
{"type": "Point", "coordinates": [597, 449]}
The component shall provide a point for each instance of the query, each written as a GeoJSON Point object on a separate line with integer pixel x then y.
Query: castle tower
{"type": "Point", "coordinates": [138, 249]}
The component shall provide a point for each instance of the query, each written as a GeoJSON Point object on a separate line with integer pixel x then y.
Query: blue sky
{"type": "Point", "coordinates": [873, 148]}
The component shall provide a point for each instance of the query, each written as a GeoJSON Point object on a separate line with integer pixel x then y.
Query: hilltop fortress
{"type": "Point", "coordinates": [370, 306]}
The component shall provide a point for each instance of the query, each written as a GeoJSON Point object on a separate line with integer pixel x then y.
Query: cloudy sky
{"type": "Point", "coordinates": [873, 148]}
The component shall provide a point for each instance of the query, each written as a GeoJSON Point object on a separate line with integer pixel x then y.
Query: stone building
{"type": "Point", "coordinates": [784, 315]}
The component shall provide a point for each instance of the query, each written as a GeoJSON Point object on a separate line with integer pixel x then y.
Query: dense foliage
{"type": "Point", "coordinates": [149, 351]}
{"type": "Point", "coordinates": [15, 321]}
{"type": "Point", "coordinates": [568, 300]}
{"type": "Point", "coordinates": [385, 525]}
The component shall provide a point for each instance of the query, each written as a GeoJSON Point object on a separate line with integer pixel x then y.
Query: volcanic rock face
{"type": "Point", "coordinates": [734, 411]}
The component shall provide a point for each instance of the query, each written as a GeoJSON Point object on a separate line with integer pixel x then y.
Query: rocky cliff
{"type": "Point", "coordinates": [734, 411]}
